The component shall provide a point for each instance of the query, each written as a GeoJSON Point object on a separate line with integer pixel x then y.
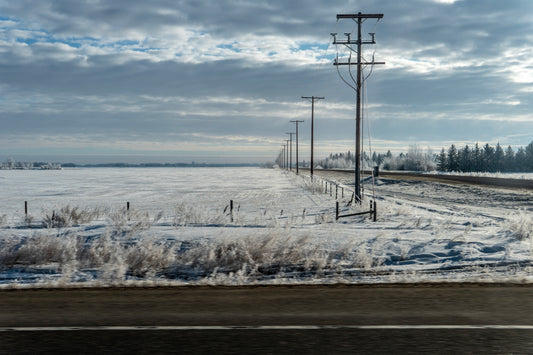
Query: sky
{"type": "Point", "coordinates": [220, 80]}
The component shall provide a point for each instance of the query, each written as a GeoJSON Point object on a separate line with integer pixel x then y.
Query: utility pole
{"type": "Point", "coordinates": [313, 98]}
{"type": "Point", "coordinates": [290, 150]}
{"type": "Point", "coordinates": [296, 121]}
{"type": "Point", "coordinates": [287, 154]}
{"type": "Point", "coordinates": [358, 18]}
{"type": "Point", "coordinates": [282, 154]}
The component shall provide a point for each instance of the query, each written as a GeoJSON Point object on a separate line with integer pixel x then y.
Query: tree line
{"type": "Point", "coordinates": [486, 159]}
{"type": "Point", "coordinates": [475, 158]}
{"type": "Point", "coordinates": [416, 159]}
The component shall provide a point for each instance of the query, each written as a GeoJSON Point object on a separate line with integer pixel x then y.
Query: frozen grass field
{"type": "Point", "coordinates": [179, 230]}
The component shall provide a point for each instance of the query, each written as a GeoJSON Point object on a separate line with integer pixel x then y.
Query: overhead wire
{"type": "Point", "coordinates": [340, 75]}
{"type": "Point", "coordinates": [365, 112]}
{"type": "Point", "coordinates": [321, 62]}
{"type": "Point", "coordinates": [367, 124]}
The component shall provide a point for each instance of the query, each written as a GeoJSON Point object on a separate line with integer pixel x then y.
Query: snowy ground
{"type": "Point", "coordinates": [179, 229]}
{"type": "Point", "coordinates": [521, 176]}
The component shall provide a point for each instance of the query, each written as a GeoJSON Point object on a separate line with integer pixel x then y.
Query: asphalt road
{"type": "Point", "coordinates": [462, 318]}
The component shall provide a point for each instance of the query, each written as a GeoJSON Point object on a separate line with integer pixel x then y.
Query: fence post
{"type": "Point", "coordinates": [26, 208]}
{"type": "Point", "coordinates": [231, 210]}
{"type": "Point", "coordinates": [127, 206]}
{"type": "Point", "coordinates": [337, 210]}
{"type": "Point", "coordinates": [336, 192]}
{"type": "Point", "coordinates": [375, 211]}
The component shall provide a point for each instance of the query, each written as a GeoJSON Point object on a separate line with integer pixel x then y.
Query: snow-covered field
{"type": "Point", "coordinates": [179, 229]}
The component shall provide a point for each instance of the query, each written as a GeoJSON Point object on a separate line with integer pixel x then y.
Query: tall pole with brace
{"type": "Point", "coordinates": [358, 18]}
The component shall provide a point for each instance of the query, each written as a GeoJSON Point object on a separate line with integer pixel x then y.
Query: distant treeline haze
{"type": "Point", "coordinates": [475, 158]}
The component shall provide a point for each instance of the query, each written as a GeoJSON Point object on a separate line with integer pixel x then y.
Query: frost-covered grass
{"type": "Point", "coordinates": [112, 257]}
{"type": "Point", "coordinates": [67, 217]}
{"type": "Point", "coordinates": [179, 230]}
{"type": "Point", "coordinates": [187, 214]}
{"type": "Point", "coordinates": [521, 225]}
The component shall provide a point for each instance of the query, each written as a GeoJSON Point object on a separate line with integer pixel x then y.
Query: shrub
{"type": "Point", "coordinates": [69, 216]}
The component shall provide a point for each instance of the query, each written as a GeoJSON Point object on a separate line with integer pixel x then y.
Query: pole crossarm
{"type": "Point", "coordinates": [336, 62]}
{"type": "Point", "coordinates": [353, 42]}
{"type": "Point", "coordinates": [359, 15]}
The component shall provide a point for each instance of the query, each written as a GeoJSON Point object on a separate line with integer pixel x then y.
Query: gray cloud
{"type": "Point", "coordinates": [214, 76]}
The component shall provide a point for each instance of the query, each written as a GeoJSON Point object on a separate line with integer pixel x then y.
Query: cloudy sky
{"type": "Point", "coordinates": [219, 80]}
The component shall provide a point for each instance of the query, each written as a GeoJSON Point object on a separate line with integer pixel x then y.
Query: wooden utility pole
{"type": "Point", "coordinates": [313, 98]}
{"type": "Point", "coordinates": [290, 150]}
{"type": "Point", "coordinates": [296, 121]}
{"type": "Point", "coordinates": [287, 154]}
{"type": "Point", "coordinates": [358, 18]}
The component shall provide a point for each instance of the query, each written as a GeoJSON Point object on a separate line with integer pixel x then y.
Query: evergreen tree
{"type": "Point", "coordinates": [520, 160]}
{"type": "Point", "coordinates": [442, 163]}
{"type": "Point", "coordinates": [375, 158]}
{"type": "Point", "coordinates": [350, 157]}
{"type": "Point", "coordinates": [498, 158]}
{"type": "Point", "coordinates": [477, 158]}
{"type": "Point", "coordinates": [465, 159]}
{"type": "Point", "coordinates": [529, 157]}
{"type": "Point", "coordinates": [509, 163]}
{"type": "Point", "coordinates": [488, 158]}
{"type": "Point", "coordinates": [453, 159]}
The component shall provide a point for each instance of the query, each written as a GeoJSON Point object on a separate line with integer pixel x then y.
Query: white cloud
{"type": "Point", "coordinates": [187, 44]}
{"type": "Point", "coordinates": [447, 2]}
{"type": "Point", "coordinates": [518, 64]}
